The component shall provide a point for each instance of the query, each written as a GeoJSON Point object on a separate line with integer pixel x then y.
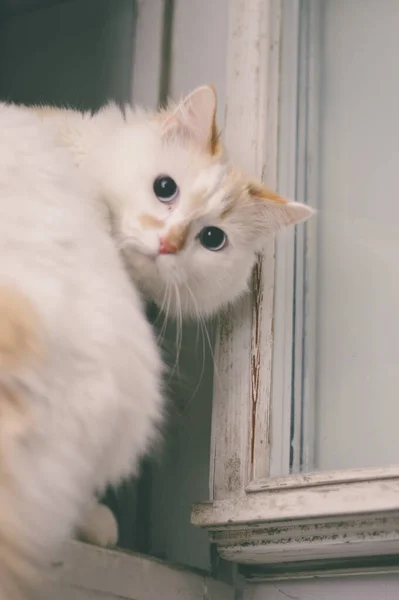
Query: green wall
{"type": "Point", "coordinates": [77, 53]}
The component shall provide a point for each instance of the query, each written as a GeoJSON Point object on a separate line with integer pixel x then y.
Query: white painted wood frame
{"type": "Point", "coordinates": [240, 421]}
{"type": "Point", "coordinates": [259, 515]}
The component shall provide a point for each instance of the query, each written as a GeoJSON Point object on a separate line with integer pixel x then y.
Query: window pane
{"type": "Point", "coordinates": [357, 285]}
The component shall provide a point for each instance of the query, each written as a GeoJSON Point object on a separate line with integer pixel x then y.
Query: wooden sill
{"type": "Point", "coordinates": [305, 519]}
{"type": "Point", "coordinates": [90, 572]}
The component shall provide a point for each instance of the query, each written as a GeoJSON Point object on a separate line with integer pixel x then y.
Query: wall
{"type": "Point", "coordinates": [199, 50]}
{"type": "Point", "coordinates": [77, 53]}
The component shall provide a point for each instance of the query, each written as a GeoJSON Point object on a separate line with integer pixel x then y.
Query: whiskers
{"type": "Point", "coordinates": [179, 327]}
{"type": "Point", "coordinates": [163, 311]}
{"type": "Point", "coordinates": [173, 294]}
{"type": "Point", "coordinates": [201, 326]}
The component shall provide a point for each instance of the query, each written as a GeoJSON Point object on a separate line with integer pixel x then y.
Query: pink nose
{"type": "Point", "coordinates": [166, 247]}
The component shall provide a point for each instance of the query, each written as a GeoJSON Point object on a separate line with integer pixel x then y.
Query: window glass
{"type": "Point", "coordinates": [356, 407]}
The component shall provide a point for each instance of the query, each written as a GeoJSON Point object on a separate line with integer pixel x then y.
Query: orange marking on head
{"type": "Point", "coordinates": [197, 200]}
{"type": "Point", "coordinates": [150, 222]}
{"type": "Point", "coordinates": [177, 236]}
{"type": "Point", "coordinates": [262, 192]}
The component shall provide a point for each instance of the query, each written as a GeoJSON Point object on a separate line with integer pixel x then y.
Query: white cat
{"type": "Point", "coordinates": [80, 372]}
{"type": "Point", "coordinates": [188, 223]}
{"type": "Point", "coordinates": [80, 391]}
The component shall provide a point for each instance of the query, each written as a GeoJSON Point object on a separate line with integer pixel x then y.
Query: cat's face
{"type": "Point", "coordinates": [189, 224]}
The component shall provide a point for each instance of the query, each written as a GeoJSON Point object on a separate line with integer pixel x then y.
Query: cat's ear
{"type": "Point", "coordinates": [195, 118]}
{"type": "Point", "coordinates": [277, 212]}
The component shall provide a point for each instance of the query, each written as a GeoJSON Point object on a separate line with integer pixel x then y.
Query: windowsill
{"type": "Point", "coordinates": [343, 515]}
{"type": "Point", "coordinates": [89, 571]}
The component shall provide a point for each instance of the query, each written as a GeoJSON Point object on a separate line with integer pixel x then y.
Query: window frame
{"type": "Point", "coordinates": [295, 524]}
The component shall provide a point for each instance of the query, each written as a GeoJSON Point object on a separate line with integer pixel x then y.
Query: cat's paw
{"type": "Point", "coordinates": [99, 527]}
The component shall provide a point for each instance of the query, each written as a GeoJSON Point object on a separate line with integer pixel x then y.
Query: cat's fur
{"type": "Point", "coordinates": [80, 372]}
{"type": "Point", "coordinates": [122, 152]}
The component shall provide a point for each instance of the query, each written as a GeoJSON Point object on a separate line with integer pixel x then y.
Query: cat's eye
{"type": "Point", "coordinates": [212, 238]}
{"type": "Point", "coordinates": [165, 188]}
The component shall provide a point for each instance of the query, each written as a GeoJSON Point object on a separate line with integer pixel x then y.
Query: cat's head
{"type": "Point", "coordinates": [188, 222]}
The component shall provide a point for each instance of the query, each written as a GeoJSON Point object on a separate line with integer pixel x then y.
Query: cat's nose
{"type": "Point", "coordinates": [166, 247]}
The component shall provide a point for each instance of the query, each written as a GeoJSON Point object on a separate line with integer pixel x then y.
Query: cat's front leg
{"type": "Point", "coordinates": [98, 526]}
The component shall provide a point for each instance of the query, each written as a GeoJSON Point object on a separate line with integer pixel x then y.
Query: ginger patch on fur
{"type": "Point", "coordinates": [262, 192]}
{"type": "Point", "coordinates": [177, 236]}
{"type": "Point", "coordinates": [150, 222]}
{"type": "Point", "coordinates": [19, 328]}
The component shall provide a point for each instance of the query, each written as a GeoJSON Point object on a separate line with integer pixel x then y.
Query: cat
{"type": "Point", "coordinates": [80, 371]}
{"type": "Point", "coordinates": [188, 223]}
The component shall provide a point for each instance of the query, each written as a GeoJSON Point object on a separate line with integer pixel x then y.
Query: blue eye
{"type": "Point", "coordinates": [213, 238]}
{"type": "Point", "coordinates": [165, 188]}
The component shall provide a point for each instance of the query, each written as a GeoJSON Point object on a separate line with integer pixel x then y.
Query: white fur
{"type": "Point", "coordinates": [94, 399]}
{"type": "Point", "coordinates": [98, 526]}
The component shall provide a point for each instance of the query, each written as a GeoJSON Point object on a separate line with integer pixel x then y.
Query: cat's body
{"type": "Point", "coordinates": [80, 389]}
{"type": "Point", "coordinates": [80, 371]}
